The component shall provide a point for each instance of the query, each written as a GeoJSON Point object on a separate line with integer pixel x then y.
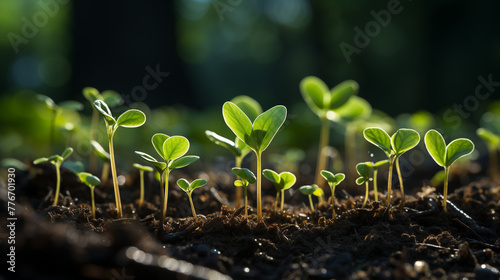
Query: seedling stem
{"type": "Point", "coordinates": [118, 201]}
{"type": "Point", "coordinates": [259, 184]}
{"type": "Point", "coordinates": [400, 183]}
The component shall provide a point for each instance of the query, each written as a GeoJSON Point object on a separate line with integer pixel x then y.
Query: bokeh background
{"type": "Point", "coordinates": [426, 55]}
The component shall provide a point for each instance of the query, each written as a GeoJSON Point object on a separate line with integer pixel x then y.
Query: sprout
{"type": "Point", "coordinates": [142, 168]}
{"type": "Point", "coordinates": [309, 190]}
{"type": "Point", "coordinates": [490, 133]}
{"type": "Point", "coordinates": [130, 118]}
{"type": "Point", "coordinates": [375, 167]}
{"type": "Point", "coordinates": [172, 150]}
{"type": "Point", "coordinates": [246, 177]}
{"type": "Point", "coordinates": [364, 171]}
{"type": "Point", "coordinates": [333, 180]}
{"type": "Point", "coordinates": [104, 156]}
{"type": "Point", "coordinates": [402, 141]}
{"type": "Point", "coordinates": [189, 188]}
{"type": "Point", "coordinates": [56, 160]}
{"type": "Point", "coordinates": [257, 135]}
{"type": "Point", "coordinates": [91, 181]}
{"type": "Point", "coordinates": [281, 182]}
{"type": "Point", "coordinates": [444, 155]}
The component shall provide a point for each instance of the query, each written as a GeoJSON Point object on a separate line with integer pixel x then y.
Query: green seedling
{"type": "Point", "coordinates": [445, 155]}
{"type": "Point", "coordinates": [402, 141]}
{"type": "Point", "coordinates": [56, 160]}
{"type": "Point", "coordinates": [375, 167]}
{"type": "Point", "coordinates": [112, 99]}
{"type": "Point", "coordinates": [189, 188]}
{"type": "Point", "coordinates": [55, 110]}
{"type": "Point", "coordinates": [364, 172]}
{"type": "Point", "coordinates": [91, 181]}
{"type": "Point", "coordinates": [130, 118]}
{"type": "Point", "coordinates": [104, 156]}
{"type": "Point", "coordinates": [310, 190]}
{"type": "Point", "coordinates": [246, 177]}
{"type": "Point", "coordinates": [172, 150]}
{"type": "Point", "coordinates": [333, 180]}
{"type": "Point", "coordinates": [142, 168]}
{"type": "Point", "coordinates": [257, 135]}
{"type": "Point", "coordinates": [281, 182]}
{"type": "Point", "coordinates": [490, 133]}
{"type": "Point", "coordinates": [323, 102]}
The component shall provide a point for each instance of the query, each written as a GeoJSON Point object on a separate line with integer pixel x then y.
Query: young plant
{"type": "Point", "coordinates": [402, 141]}
{"type": "Point", "coordinates": [445, 155]}
{"type": "Point", "coordinates": [323, 102]}
{"type": "Point", "coordinates": [375, 167]}
{"type": "Point", "coordinates": [364, 172]}
{"type": "Point", "coordinates": [309, 190]}
{"type": "Point", "coordinates": [142, 168]}
{"type": "Point", "coordinates": [490, 133]}
{"type": "Point", "coordinates": [91, 181]}
{"type": "Point", "coordinates": [130, 118]}
{"type": "Point", "coordinates": [332, 180]}
{"type": "Point", "coordinates": [56, 160]}
{"type": "Point", "coordinates": [257, 135]}
{"type": "Point", "coordinates": [189, 188]}
{"type": "Point", "coordinates": [281, 182]}
{"type": "Point", "coordinates": [172, 150]}
{"type": "Point", "coordinates": [104, 156]}
{"type": "Point", "coordinates": [112, 99]}
{"type": "Point", "coordinates": [246, 177]}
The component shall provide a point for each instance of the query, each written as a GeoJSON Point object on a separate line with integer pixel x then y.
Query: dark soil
{"type": "Point", "coordinates": [377, 242]}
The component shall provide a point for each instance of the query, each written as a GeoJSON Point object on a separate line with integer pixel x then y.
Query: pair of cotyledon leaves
{"type": "Point", "coordinates": [55, 158]}
{"type": "Point", "coordinates": [246, 176]}
{"type": "Point", "coordinates": [332, 179]}
{"type": "Point", "coordinates": [446, 155]}
{"type": "Point", "coordinates": [89, 179]}
{"type": "Point", "coordinates": [281, 181]}
{"type": "Point", "coordinates": [190, 187]}
{"type": "Point", "coordinates": [363, 170]}
{"type": "Point", "coordinates": [130, 118]}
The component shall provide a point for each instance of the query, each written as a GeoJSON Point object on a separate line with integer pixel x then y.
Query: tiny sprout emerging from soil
{"type": "Point", "coordinates": [189, 188]}
{"type": "Point", "coordinates": [402, 141]}
{"type": "Point", "coordinates": [257, 135]}
{"type": "Point", "coordinates": [445, 155]}
{"type": "Point", "coordinates": [281, 182]}
{"type": "Point", "coordinates": [375, 167]}
{"type": "Point", "coordinates": [56, 160]}
{"type": "Point", "coordinates": [142, 168]}
{"type": "Point", "coordinates": [104, 156]}
{"type": "Point", "coordinates": [364, 172]}
{"type": "Point", "coordinates": [246, 177]}
{"type": "Point", "coordinates": [91, 181]}
{"type": "Point", "coordinates": [333, 180]}
{"type": "Point", "coordinates": [309, 190]}
{"type": "Point", "coordinates": [172, 150]}
{"type": "Point", "coordinates": [323, 102]}
{"type": "Point", "coordinates": [130, 118]}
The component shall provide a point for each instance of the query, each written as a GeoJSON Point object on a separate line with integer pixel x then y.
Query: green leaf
{"type": "Point", "coordinates": [404, 139]}
{"type": "Point", "coordinates": [361, 180]}
{"type": "Point", "coordinates": [67, 153]}
{"type": "Point", "coordinates": [287, 180]}
{"type": "Point", "coordinates": [363, 170]}
{"type": "Point", "coordinates": [339, 178]}
{"type": "Point", "coordinates": [75, 166]}
{"type": "Point", "coordinates": [282, 181]}
{"type": "Point", "coordinates": [91, 94]}
{"type": "Point", "coordinates": [318, 192]}
{"type": "Point", "coordinates": [238, 122]}
{"type": "Point", "coordinates": [198, 183]}
{"type": "Point", "coordinates": [103, 108]}
{"type": "Point", "coordinates": [160, 166]}
{"type": "Point", "coordinates": [131, 118]}
{"type": "Point", "coordinates": [89, 179]}
{"type": "Point", "coordinates": [40, 160]}
{"type": "Point", "coordinates": [112, 98]}
{"type": "Point", "coordinates": [271, 175]}
{"type": "Point", "coordinates": [266, 126]}
{"type": "Point", "coordinates": [175, 147]}
{"type": "Point", "coordinates": [355, 108]}
{"type": "Point", "coordinates": [379, 138]}
{"type": "Point", "coordinates": [142, 167]}
{"type": "Point", "coordinates": [245, 174]}
{"type": "Point", "coordinates": [72, 105]}
{"type": "Point", "coordinates": [489, 137]}
{"type": "Point", "coordinates": [244, 148]}
{"type": "Point", "coordinates": [182, 162]}
{"type": "Point", "coordinates": [313, 91]}
{"type": "Point", "coordinates": [248, 105]}
{"type": "Point", "coordinates": [224, 142]}
{"type": "Point", "coordinates": [329, 177]}
{"type": "Point", "coordinates": [458, 148]}
{"type": "Point", "coordinates": [239, 183]}
{"type": "Point", "coordinates": [308, 189]}
{"type": "Point", "coordinates": [436, 146]}
{"type": "Point", "coordinates": [380, 163]}
{"type": "Point", "coordinates": [184, 185]}
{"type": "Point", "coordinates": [99, 151]}
{"type": "Point", "coordinates": [158, 140]}
{"type": "Point", "coordinates": [342, 92]}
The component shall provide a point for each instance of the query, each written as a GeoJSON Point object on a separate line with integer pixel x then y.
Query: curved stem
{"type": "Point", "coordinates": [113, 174]}
{"type": "Point", "coordinates": [389, 182]}
{"type": "Point", "coordinates": [237, 198]}
{"type": "Point", "coordinates": [311, 203]}
{"type": "Point", "coordinates": [58, 183]}
{"type": "Point", "coordinates": [164, 209]}
{"type": "Point", "coordinates": [366, 194]}
{"type": "Point", "coordinates": [445, 190]}
{"type": "Point", "coordinates": [93, 201]}
{"type": "Point", "coordinates": [282, 200]}
{"type": "Point", "coordinates": [400, 184]}
{"type": "Point", "coordinates": [141, 198]}
{"type": "Point", "coordinates": [246, 201]}
{"type": "Point", "coordinates": [192, 207]}
{"type": "Point", "coordinates": [323, 142]}
{"type": "Point", "coordinates": [375, 171]}
{"type": "Point", "coordinates": [259, 185]}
